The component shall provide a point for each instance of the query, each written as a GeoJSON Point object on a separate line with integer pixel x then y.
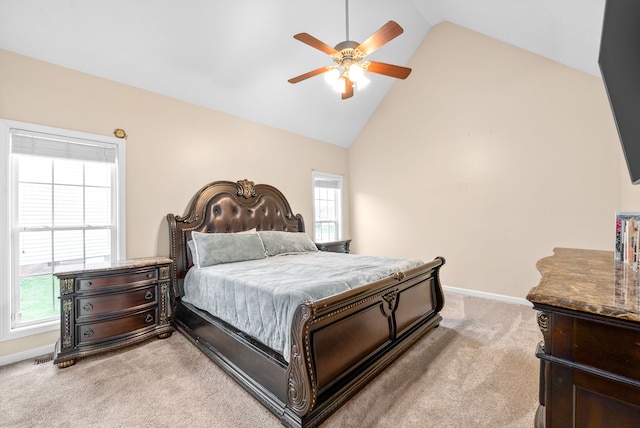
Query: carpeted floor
{"type": "Point", "coordinates": [477, 369]}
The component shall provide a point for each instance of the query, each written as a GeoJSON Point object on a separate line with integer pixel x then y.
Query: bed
{"type": "Point", "coordinates": [333, 345]}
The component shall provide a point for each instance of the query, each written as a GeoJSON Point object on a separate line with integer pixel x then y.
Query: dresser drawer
{"type": "Point", "coordinates": [93, 306]}
{"type": "Point", "coordinates": [607, 346]}
{"type": "Point", "coordinates": [87, 284]}
{"type": "Point", "coordinates": [97, 331]}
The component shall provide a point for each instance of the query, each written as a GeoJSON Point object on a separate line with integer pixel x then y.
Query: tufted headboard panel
{"type": "Point", "coordinates": [226, 207]}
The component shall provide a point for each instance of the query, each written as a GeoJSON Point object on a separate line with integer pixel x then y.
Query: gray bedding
{"type": "Point", "coordinates": [260, 297]}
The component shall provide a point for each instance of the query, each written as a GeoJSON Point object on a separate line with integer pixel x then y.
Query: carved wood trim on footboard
{"type": "Point", "coordinates": [341, 342]}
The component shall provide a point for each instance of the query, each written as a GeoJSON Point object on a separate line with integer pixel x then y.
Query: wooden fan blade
{"type": "Point", "coordinates": [389, 69]}
{"type": "Point", "coordinates": [315, 43]}
{"type": "Point", "coordinates": [348, 89]}
{"type": "Point", "coordinates": [307, 75]}
{"type": "Point", "coordinates": [387, 32]}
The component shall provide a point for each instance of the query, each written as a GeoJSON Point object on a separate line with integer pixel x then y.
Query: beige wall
{"type": "Point", "coordinates": [173, 148]}
{"type": "Point", "coordinates": [490, 156]}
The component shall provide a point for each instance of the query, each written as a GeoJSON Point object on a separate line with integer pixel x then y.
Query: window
{"type": "Point", "coordinates": [327, 204]}
{"type": "Point", "coordinates": [64, 193]}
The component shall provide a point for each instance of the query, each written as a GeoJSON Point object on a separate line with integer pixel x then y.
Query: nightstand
{"type": "Point", "coordinates": [335, 246]}
{"type": "Point", "coordinates": [109, 306]}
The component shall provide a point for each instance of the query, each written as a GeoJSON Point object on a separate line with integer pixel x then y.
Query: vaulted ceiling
{"type": "Point", "coordinates": [236, 56]}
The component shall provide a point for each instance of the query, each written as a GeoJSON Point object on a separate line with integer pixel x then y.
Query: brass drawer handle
{"type": "Point", "coordinates": [149, 318]}
{"type": "Point", "coordinates": [148, 296]}
{"type": "Point", "coordinates": [88, 307]}
{"type": "Point", "coordinates": [88, 333]}
{"type": "Point", "coordinates": [150, 275]}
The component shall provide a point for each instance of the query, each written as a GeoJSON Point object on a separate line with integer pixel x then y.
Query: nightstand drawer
{"type": "Point", "coordinates": [94, 306]}
{"type": "Point", "coordinates": [114, 280]}
{"type": "Point", "coordinates": [94, 332]}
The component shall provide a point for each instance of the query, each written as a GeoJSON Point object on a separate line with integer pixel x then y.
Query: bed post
{"type": "Point", "coordinates": [301, 382]}
{"type": "Point", "coordinates": [438, 287]}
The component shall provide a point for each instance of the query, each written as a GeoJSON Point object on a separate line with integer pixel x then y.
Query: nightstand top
{"type": "Point", "coordinates": [114, 265]}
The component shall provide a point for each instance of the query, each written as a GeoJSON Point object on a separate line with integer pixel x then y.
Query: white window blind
{"type": "Point", "coordinates": [327, 190]}
{"type": "Point", "coordinates": [66, 196]}
{"type": "Point", "coordinates": [53, 146]}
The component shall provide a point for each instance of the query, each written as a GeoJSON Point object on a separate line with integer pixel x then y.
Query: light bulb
{"type": "Point", "coordinates": [332, 76]}
{"type": "Point", "coordinates": [363, 82]}
{"type": "Point", "coordinates": [340, 85]}
{"type": "Point", "coordinates": [355, 72]}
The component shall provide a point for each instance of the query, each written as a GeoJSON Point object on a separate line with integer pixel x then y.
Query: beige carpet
{"type": "Point", "coordinates": [477, 369]}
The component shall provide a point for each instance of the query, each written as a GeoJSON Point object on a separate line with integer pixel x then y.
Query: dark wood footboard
{"type": "Point", "coordinates": [340, 343]}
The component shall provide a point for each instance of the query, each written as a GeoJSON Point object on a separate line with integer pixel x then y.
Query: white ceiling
{"type": "Point", "coordinates": [236, 56]}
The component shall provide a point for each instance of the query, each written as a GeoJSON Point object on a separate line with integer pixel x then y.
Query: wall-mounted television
{"type": "Point", "coordinates": [619, 62]}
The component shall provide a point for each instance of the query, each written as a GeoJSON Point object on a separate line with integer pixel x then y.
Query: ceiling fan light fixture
{"type": "Point", "coordinates": [356, 73]}
{"type": "Point", "coordinates": [363, 83]}
{"type": "Point", "coordinates": [332, 76]}
{"type": "Point", "coordinates": [340, 85]}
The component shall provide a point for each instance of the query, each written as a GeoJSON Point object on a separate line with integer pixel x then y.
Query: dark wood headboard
{"type": "Point", "coordinates": [224, 207]}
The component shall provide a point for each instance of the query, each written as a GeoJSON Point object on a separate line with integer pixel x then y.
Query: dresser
{"type": "Point", "coordinates": [108, 306]}
{"type": "Point", "coordinates": [589, 314]}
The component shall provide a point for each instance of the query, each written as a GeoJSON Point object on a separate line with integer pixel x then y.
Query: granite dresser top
{"type": "Point", "coordinates": [589, 281]}
{"type": "Point", "coordinates": [114, 265]}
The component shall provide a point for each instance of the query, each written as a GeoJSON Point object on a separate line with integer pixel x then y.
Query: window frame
{"type": "Point", "coordinates": [339, 208]}
{"type": "Point", "coordinates": [7, 189]}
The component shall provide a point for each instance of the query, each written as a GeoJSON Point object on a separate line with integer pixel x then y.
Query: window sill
{"type": "Point", "coordinates": [31, 330]}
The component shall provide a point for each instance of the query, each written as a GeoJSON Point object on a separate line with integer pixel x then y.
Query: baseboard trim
{"type": "Point", "coordinates": [485, 295]}
{"type": "Point", "coordinates": [25, 355]}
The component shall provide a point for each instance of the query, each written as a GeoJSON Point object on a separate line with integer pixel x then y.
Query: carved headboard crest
{"type": "Point", "coordinates": [246, 188]}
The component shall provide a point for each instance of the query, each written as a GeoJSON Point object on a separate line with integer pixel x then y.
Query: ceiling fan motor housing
{"type": "Point", "coordinates": [348, 52]}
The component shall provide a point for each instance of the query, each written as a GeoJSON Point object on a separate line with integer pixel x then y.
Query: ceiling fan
{"type": "Point", "coordinates": [348, 57]}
